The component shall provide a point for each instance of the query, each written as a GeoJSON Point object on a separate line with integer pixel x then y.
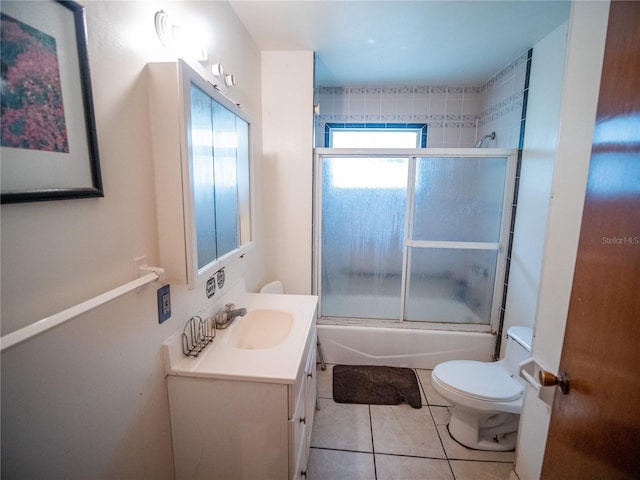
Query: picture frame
{"type": "Point", "coordinates": [48, 140]}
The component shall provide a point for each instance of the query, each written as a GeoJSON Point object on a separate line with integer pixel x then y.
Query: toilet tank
{"type": "Point", "coordinates": [518, 348]}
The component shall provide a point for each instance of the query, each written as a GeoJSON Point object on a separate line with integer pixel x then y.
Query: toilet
{"type": "Point", "coordinates": [487, 396]}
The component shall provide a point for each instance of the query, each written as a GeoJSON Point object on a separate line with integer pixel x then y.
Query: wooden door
{"type": "Point", "coordinates": [595, 428]}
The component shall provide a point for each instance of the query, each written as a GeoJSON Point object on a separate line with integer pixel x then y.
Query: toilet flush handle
{"type": "Point", "coordinates": [548, 379]}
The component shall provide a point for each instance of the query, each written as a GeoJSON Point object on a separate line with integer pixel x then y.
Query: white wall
{"type": "Point", "coordinates": [585, 49]}
{"type": "Point", "coordinates": [538, 157]}
{"type": "Point", "coordinates": [287, 105]}
{"type": "Point", "coordinates": [502, 101]}
{"type": "Point", "coordinates": [88, 399]}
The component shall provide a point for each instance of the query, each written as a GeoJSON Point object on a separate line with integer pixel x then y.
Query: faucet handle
{"type": "Point", "coordinates": [229, 307]}
{"type": "Point", "coordinates": [220, 318]}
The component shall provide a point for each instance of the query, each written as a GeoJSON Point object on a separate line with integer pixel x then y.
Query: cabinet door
{"type": "Point", "coordinates": [298, 432]}
{"type": "Point", "coordinates": [310, 395]}
{"type": "Point", "coordinates": [227, 429]}
{"type": "Point", "coordinates": [202, 170]}
{"type": "Point", "coordinates": [214, 159]}
{"type": "Point", "coordinates": [202, 161]}
{"type": "Point", "coordinates": [225, 147]}
{"type": "Point", "coordinates": [302, 421]}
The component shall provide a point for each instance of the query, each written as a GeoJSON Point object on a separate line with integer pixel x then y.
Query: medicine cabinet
{"type": "Point", "coordinates": [202, 173]}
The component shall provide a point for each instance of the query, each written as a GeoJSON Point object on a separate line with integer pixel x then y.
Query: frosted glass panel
{"type": "Point", "coordinates": [203, 175]}
{"type": "Point", "coordinates": [363, 209]}
{"type": "Point", "coordinates": [459, 199]}
{"type": "Point", "coordinates": [225, 142]}
{"type": "Point", "coordinates": [450, 285]}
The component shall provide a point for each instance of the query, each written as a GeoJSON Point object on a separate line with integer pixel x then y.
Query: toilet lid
{"type": "Point", "coordinates": [482, 380]}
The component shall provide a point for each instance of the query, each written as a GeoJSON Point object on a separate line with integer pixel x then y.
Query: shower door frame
{"type": "Point", "coordinates": [501, 247]}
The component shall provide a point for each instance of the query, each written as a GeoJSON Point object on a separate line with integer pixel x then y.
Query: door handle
{"type": "Point", "coordinates": [548, 379]}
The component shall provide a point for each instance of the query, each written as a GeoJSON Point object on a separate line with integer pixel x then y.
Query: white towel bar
{"type": "Point", "coordinates": [48, 323]}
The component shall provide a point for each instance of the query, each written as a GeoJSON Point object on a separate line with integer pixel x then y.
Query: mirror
{"type": "Point", "coordinates": [218, 162]}
{"type": "Point", "coordinates": [210, 136]}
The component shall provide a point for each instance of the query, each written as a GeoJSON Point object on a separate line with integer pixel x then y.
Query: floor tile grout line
{"type": "Point", "coordinates": [437, 430]}
{"type": "Point", "coordinates": [404, 455]}
{"type": "Point", "coordinates": [423, 391]}
{"type": "Point", "coordinates": [342, 450]}
{"type": "Point", "coordinates": [373, 445]}
{"type": "Point", "coordinates": [480, 461]}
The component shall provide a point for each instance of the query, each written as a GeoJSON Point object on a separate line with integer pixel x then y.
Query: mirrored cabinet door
{"type": "Point", "coordinates": [202, 165]}
{"type": "Point", "coordinates": [225, 142]}
{"type": "Point", "coordinates": [201, 136]}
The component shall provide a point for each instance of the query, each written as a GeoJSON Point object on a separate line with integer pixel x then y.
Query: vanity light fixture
{"type": "Point", "coordinates": [178, 39]}
{"type": "Point", "coordinates": [164, 28]}
{"type": "Point", "coordinates": [218, 71]}
{"type": "Point", "coordinates": [182, 41]}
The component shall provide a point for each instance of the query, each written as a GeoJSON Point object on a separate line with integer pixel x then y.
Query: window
{"type": "Point", "coordinates": [376, 135]}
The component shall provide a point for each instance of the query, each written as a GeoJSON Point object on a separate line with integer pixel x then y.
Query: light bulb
{"type": "Point", "coordinates": [217, 69]}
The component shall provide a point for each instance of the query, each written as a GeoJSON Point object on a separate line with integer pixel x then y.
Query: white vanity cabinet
{"type": "Point", "coordinates": [244, 429]}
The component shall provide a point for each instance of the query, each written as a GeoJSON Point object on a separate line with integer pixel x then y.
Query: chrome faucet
{"type": "Point", "coordinates": [228, 315]}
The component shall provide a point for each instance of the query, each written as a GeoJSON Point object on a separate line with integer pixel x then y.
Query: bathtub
{"type": "Point", "coordinates": [401, 347]}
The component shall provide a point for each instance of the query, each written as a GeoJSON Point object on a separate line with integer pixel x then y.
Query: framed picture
{"type": "Point", "coordinates": [48, 142]}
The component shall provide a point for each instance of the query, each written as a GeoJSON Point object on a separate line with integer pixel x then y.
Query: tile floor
{"type": "Point", "coordinates": [380, 442]}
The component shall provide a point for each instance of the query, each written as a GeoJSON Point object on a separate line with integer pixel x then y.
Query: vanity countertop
{"type": "Point", "coordinates": [221, 360]}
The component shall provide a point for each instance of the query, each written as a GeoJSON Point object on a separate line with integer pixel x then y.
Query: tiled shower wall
{"type": "Point", "coordinates": [502, 104]}
{"type": "Point", "coordinates": [456, 116]}
{"type": "Point", "coordinates": [451, 113]}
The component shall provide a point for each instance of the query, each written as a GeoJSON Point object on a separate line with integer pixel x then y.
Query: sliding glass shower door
{"type": "Point", "coordinates": [363, 212]}
{"type": "Point", "coordinates": [454, 238]}
{"type": "Point", "coordinates": [417, 238]}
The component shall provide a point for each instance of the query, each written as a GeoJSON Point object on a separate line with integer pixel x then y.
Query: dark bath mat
{"type": "Point", "coordinates": [375, 385]}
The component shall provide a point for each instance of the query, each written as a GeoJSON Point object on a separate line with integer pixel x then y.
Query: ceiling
{"type": "Point", "coordinates": [419, 42]}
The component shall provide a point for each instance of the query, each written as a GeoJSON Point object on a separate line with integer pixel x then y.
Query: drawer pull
{"type": "Point", "coordinates": [303, 420]}
{"type": "Point", "coordinates": [310, 375]}
{"type": "Point", "coordinates": [303, 473]}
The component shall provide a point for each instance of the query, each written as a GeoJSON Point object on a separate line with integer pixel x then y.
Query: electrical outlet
{"type": "Point", "coordinates": [164, 303]}
{"type": "Point", "coordinates": [211, 286]}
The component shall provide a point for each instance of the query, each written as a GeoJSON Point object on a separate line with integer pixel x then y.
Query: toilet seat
{"type": "Point", "coordinates": [489, 382]}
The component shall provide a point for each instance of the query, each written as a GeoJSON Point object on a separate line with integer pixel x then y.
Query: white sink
{"type": "Point", "coordinates": [260, 329]}
{"type": "Point", "coordinates": [266, 345]}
